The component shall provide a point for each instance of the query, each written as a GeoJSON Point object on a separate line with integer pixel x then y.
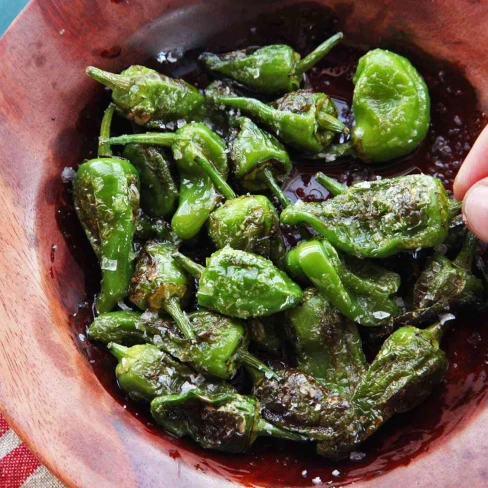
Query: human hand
{"type": "Point", "coordinates": [471, 186]}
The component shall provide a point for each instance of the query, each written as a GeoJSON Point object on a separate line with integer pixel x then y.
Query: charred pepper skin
{"type": "Point", "coordinates": [302, 119]}
{"type": "Point", "coordinates": [160, 283]}
{"type": "Point", "coordinates": [227, 422]}
{"type": "Point", "coordinates": [362, 293]}
{"type": "Point", "coordinates": [201, 159]}
{"type": "Point", "coordinates": [248, 223]}
{"type": "Point", "coordinates": [391, 107]}
{"type": "Point", "coordinates": [159, 193]}
{"type": "Point", "coordinates": [260, 161]}
{"type": "Point", "coordinates": [376, 219]}
{"type": "Point", "coordinates": [249, 285]}
{"type": "Point", "coordinates": [151, 99]}
{"type": "Point", "coordinates": [327, 346]}
{"type": "Point", "coordinates": [445, 285]}
{"type": "Point", "coordinates": [270, 69]}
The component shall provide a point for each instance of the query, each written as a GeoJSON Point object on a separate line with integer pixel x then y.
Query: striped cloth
{"type": "Point", "coordinates": [19, 468]}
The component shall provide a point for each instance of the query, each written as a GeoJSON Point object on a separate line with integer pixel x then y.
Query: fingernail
{"type": "Point", "coordinates": [475, 209]}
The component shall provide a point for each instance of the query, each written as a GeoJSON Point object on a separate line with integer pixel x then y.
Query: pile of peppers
{"type": "Point", "coordinates": [198, 288]}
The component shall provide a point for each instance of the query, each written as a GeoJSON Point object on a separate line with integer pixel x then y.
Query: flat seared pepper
{"type": "Point", "coordinates": [224, 422]}
{"type": "Point", "coordinates": [243, 285]}
{"type": "Point", "coordinates": [327, 346]}
{"type": "Point", "coordinates": [376, 219]}
{"type": "Point", "coordinates": [303, 119]}
{"type": "Point", "coordinates": [248, 223]}
{"type": "Point", "coordinates": [201, 158]}
{"type": "Point", "coordinates": [219, 348]}
{"type": "Point", "coordinates": [106, 198]}
{"type": "Point", "coordinates": [260, 161]}
{"type": "Point", "coordinates": [151, 99]}
{"type": "Point", "coordinates": [361, 291]}
{"type": "Point", "coordinates": [271, 69]}
{"type": "Point", "coordinates": [159, 193]}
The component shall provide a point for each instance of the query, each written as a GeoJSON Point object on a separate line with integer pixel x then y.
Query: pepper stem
{"type": "Point", "coordinates": [190, 266]}
{"type": "Point", "coordinates": [333, 186]}
{"type": "Point", "coordinates": [274, 187]}
{"type": "Point", "coordinates": [465, 257]}
{"type": "Point", "coordinates": [334, 152]}
{"type": "Point", "coordinates": [173, 307]}
{"type": "Point", "coordinates": [262, 428]}
{"type": "Point", "coordinates": [222, 186]}
{"type": "Point", "coordinates": [111, 80]}
{"type": "Point", "coordinates": [253, 362]}
{"type": "Point", "coordinates": [252, 106]}
{"type": "Point", "coordinates": [329, 122]}
{"type": "Point", "coordinates": [105, 151]}
{"type": "Point", "coordinates": [117, 350]}
{"type": "Point", "coordinates": [437, 330]}
{"type": "Point", "coordinates": [155, 138]}
{"type": "Point", "coordinates": [318, 53]}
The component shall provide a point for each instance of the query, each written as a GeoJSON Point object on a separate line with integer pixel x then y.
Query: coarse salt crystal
{"type": "Point", "coordinates": [124, 307]}
{"type": "Point", "coordinates": [357, 456]}
{"type": "Point", "coordinates": [317, 481]}
{"type": "Point", "coordinates": [68, 175]}
{"type": "Point", "coordinates": [381, 315]}
{"type": "Point", "coordinates": [109, 264]}
{"type": "Point", "coordinates": [445, 317]}
{"type": "Point", "coordinates": [304, 473]}
{"type": "Point", "coordinates": [336, 472]}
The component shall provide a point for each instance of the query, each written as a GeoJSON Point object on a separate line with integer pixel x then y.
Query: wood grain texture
{"type": "Point", "coordinates": [48, 391]}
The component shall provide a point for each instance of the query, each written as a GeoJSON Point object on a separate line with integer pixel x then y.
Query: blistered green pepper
{"type": "Point", "coordinates": [106, 197]}
{"type": "Point", "coordinates": [379, 218]}
{"type": "Point", "coordinates": [260, 161]}
{"type": "Point", "coordinates": [222, 88]}
{"type": "Point", "coordinates": [303, 119]}
{"type": "Point", "coordinates": [249, 223]}
{"type": "Point", "coordinates": [299, 403]}
{"type": "Point", "coordinates": [160, 283]}
{"type": "Point", "coordinates": [445, 284]}
{"type": "Point", "coordinates": [219, 348]}
{"type": "Point", "coordinates": [326, 346]}
{"type": "Point", "coordinates": [153, 228]}
{"type": "Point", "coordinates": [407, 367]}
{"type": "Point", "coordinates": [360, 290]}
{"type": "Point", "coordinates": [267, 334]}
{"type": "Point", "coordinates": [159, 193]}
{"type": "Point", "coordinates": [145, 372]}
{"type": "Point", "coordinates": [201, 159]}
{"type": "Point", "coordinates": [226, 422]}
{"type": "Point", "coordinates": [243, 285]}
{"type": "Point", "coordinates": [271, 69]}
{"type": "Point", "coordinates": [151, 99]}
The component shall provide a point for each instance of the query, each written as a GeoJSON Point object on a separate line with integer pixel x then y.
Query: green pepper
{"type": "Point", "coordinates": [160, 283]}
{"type": "Point", "coordinates": [271, 69]}
{"type": "Point", "coordinates": [106, 197]}
{"type": "Point", "coordinates": [151, 99]}
{"type": "Point", "coordinates": [303, 119]}
{"type": "Point", "coordinates": [219, 348]}
{"type": "Point", "coordinates": [226, 422]}
{"type": "Point", "coordinates": [201, 159]}
{"type": "Point", "coordinates": [159, 194]}
{"type": "Point", "coordinates": [327, 347]}
{"type": "Point", "coordinates": [376, 219]}
{"type": "Point", "coordinates": [445, 284]}
{"type": "Point", "coordinates": [220, 87]}
{"type": "Point", "coordinates": [248, 223]}
{"type": "Point", "coordinates": [407, 367]}
{"type": "Point", "coordinates": [361, 291]}
{"type": "Point", "coordinates": [260, 160]}
{"type": "Point", "coordinates": [145, 372]}
{"type": "Point", "coordinates": [243, 285]}
{"type": "Point", "coordinates": [299, 403]}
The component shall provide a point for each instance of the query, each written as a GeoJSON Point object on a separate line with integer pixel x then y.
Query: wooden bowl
{"type": "Point", "coordinates": [49, 112]}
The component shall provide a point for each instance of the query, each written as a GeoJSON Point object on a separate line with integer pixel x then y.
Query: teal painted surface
{"type": "Point", "coordinates": [9, 9]}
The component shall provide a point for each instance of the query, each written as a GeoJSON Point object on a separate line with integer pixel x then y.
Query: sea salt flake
{"type": "Point", "coordinates": [357, 456]}
{"type": "Point", "coordinates": [124, 307]}
{"type": "Point", "coordinates": [381, 315]}
{"type": "Point", "coordinates": [304, 473]}
{"type": "Point", "coordinates": [109, 264]}
{"type": "Point", "coordinates": [186, 387]}
{"type": "Point", "coordinates": [317, 481]}
{"type": "Point", "coordinates": [399, 301]}
{"type": "Point", "coordinates": [445, 317]}
{"type": "Point", "coordinates": [68, 175]}
{"type": "Point", "coordinates": [336, 472]}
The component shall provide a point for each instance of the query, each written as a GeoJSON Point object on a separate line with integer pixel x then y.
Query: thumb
{"type": "Point", "coordinates": [475, 209]}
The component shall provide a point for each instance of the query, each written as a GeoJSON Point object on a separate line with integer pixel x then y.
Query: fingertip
{"type": "Point", "coordinates": [475, 209]}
